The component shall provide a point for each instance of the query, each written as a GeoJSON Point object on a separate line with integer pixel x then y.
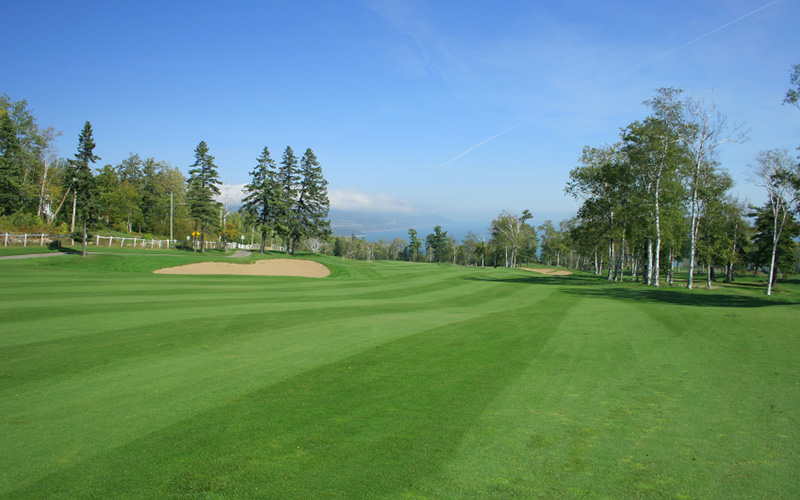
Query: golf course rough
{"type": "Point", "coordinates": [390, 380]}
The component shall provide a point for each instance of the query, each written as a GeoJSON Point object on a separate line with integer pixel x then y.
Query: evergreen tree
{"type": "Point", "coordinates": [86, 208]}
{"type": "Point", "coordinates": [202, 185]}
{"type": "Point", "coordinates": [264, 200]}
{"type": "Point", "coordinates": [310, 211]}
{"type": "Point", "coordinates": [438, 243]}
{"type": "Point", "coordinates": [288, 177]}
{"type": "Point", "coordinates": [414, 246]}
{"type": "Point", "coordinates": [768, 248]}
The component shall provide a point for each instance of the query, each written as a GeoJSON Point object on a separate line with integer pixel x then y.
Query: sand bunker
{"type": "Point", "coordinates": [548, 271]}
{"type": "Point", "coordinates": [270, 267]}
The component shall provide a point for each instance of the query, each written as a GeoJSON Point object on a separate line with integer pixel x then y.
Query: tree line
{"type": "Point", "coordinates": [42, 192]}
{"type": "Point", "coordinates": [657, 197]}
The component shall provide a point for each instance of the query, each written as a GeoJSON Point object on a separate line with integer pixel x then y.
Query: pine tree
{"type": "Point", "coordinates": [203, 184]}
{"type": "Point", "coordinates": [86, 208]}
{"type": "Point", "coordinates": [289, 178]}
{"type": "Point", "coordinates": [310, 212]}
{"type": "Point", "coordinates": [264, 198]}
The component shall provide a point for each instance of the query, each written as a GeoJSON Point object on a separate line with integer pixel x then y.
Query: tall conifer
{"type": "Point", "coordinates": [203, 184]}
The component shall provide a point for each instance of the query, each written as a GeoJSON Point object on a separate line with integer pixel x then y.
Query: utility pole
{"type": "Point", "coordinates": [170, 220]}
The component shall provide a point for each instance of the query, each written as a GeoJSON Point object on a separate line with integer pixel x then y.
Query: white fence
{"type": "Point", "coordinates": [115, 241]}
{"type": "Point", "coordinates": [36, 239]}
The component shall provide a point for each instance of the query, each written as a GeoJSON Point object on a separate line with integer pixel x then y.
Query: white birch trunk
{"type": "Point", "coordinates": [693, 237]}
{"type": "Point", "coordinates": [657, 259]}
{"type": "Point", "coordinates": [74, 205]}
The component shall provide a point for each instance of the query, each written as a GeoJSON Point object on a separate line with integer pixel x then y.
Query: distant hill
{"type": "Point", "coordinates": [346, 223]}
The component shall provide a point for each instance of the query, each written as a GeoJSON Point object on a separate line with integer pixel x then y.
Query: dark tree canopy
{"type": "Point", "coordinates": [203, 184]}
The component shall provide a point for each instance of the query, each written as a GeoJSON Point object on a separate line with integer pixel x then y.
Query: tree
{"type": "Point", "coordinates": [706, 130]}
{"type": "Point", "coordinates": [84, 185]}
{"type": "Point", "coordinates": [203, 184]}
{"type": "Point", "coordinates": [736, 235]}
{"type": "Point", "coordinates": [288, 177]}
{"type": "Point", "coordinates": [395, 247]}
{"type": "Point", "coordinates": [777, 174]}
{"type": "Point", "coordinates": [603, 181]}
{"type": "Point", "coordinates": [310, 211]}
{"type": "Point", "coordinates": [655, 152]}
{"type": "Point", "coordinates": [414, 246]}
{"type": "Point", "coordinates": [10, 166]}
{"type": "Point", "coordinates": [712, 241]}
{"type": "Point", "coordinates": [24, 150]}
{"type": "Point", "coordinates": [551, 245]}
{"type": "Point", "coordinates": [764, 246]}
{"type": "Point", "coordinates": [793, 94]}
{"type": "Point", "coordinates": [264, 200]}
{"type": "Point", "coordinates": [438, 243]}
{"type": "Point", "coordinates": [511, 232]}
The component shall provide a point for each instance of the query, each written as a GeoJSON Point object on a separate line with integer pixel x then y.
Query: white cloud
{"type": "Point", "coordinates": [362, 202]}
{"type": "Point", "coordinates": [231, 195]}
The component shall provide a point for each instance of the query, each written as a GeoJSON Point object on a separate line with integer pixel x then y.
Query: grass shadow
{"type": "Point", "coordinates": [741, 295]}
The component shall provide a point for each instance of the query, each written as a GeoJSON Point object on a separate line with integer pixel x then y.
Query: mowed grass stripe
{"type": "Point", "coordinates": [135, 379]}
{"type": "Point", "coordinates": [639, 410]}
{"type": "Point", "coordinates": [614, 390]}
{"type": "Point", "coordinates": [362, 427]}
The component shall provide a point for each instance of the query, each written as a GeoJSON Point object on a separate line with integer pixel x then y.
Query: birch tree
{"type": "Point", "coordinates": [777, 174]}
{"type": "Point", "coordinates": [602, 181]}
{"type": "Point", "coordinates": [706, 130]}
{"type": "Point", "coordinates": [510, 231]}
{"type": "Point", "coordinates": [654, 147]}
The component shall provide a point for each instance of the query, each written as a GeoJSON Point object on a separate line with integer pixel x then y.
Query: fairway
{"type": "Point", "coordinates": [389, 380]}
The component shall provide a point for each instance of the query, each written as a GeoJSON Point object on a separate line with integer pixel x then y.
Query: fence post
{"type": "Point", "coordinates": [5, 240]}
{"type": "Point", "coordinates": [41, 240]}
{"type": "Point", "coordinates": [25, 239]}
{"type": "Point", "coordinates": [97, 244]}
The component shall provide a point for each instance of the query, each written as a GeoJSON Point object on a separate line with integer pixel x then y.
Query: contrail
{"type": "Point", "coordinates": [451, 160]}
{"type": "Point", "coordinates": [665, 54]}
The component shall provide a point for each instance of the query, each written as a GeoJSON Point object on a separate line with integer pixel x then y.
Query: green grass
{"type": "Point", "coordinates": [390, 380]}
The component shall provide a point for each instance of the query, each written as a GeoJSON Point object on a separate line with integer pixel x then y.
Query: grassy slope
{"type": "Point", "coordinates": [389, 380]}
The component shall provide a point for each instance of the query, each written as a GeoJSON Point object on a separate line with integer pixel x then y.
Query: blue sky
{"type": "Point", "coordinates": [394, 96]}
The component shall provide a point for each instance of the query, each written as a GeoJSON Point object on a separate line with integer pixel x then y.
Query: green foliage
{"type": "Point", "coordinates": [24, 151]}
{"type": "Point", "coordinates": [10, 167]}
{"type": "Point", "coordinates": [512, 233]}
{"type": "Point", "coordinates": [203, 184]}
{"type": "Point", "coordinates": [84, 183]}
{"type": "Point", "coordinates": [264, 199]}
{"type": "Point", "coordinates": [763, 233]}
{"type": "Point", "coordinates": [412, 251]}
{"type": "Point", "coordinates": [438, 244]}
{"type": "Point", "coordinates": [793, 94]}
{"type": "Point", "coordinates": [310, 210]}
